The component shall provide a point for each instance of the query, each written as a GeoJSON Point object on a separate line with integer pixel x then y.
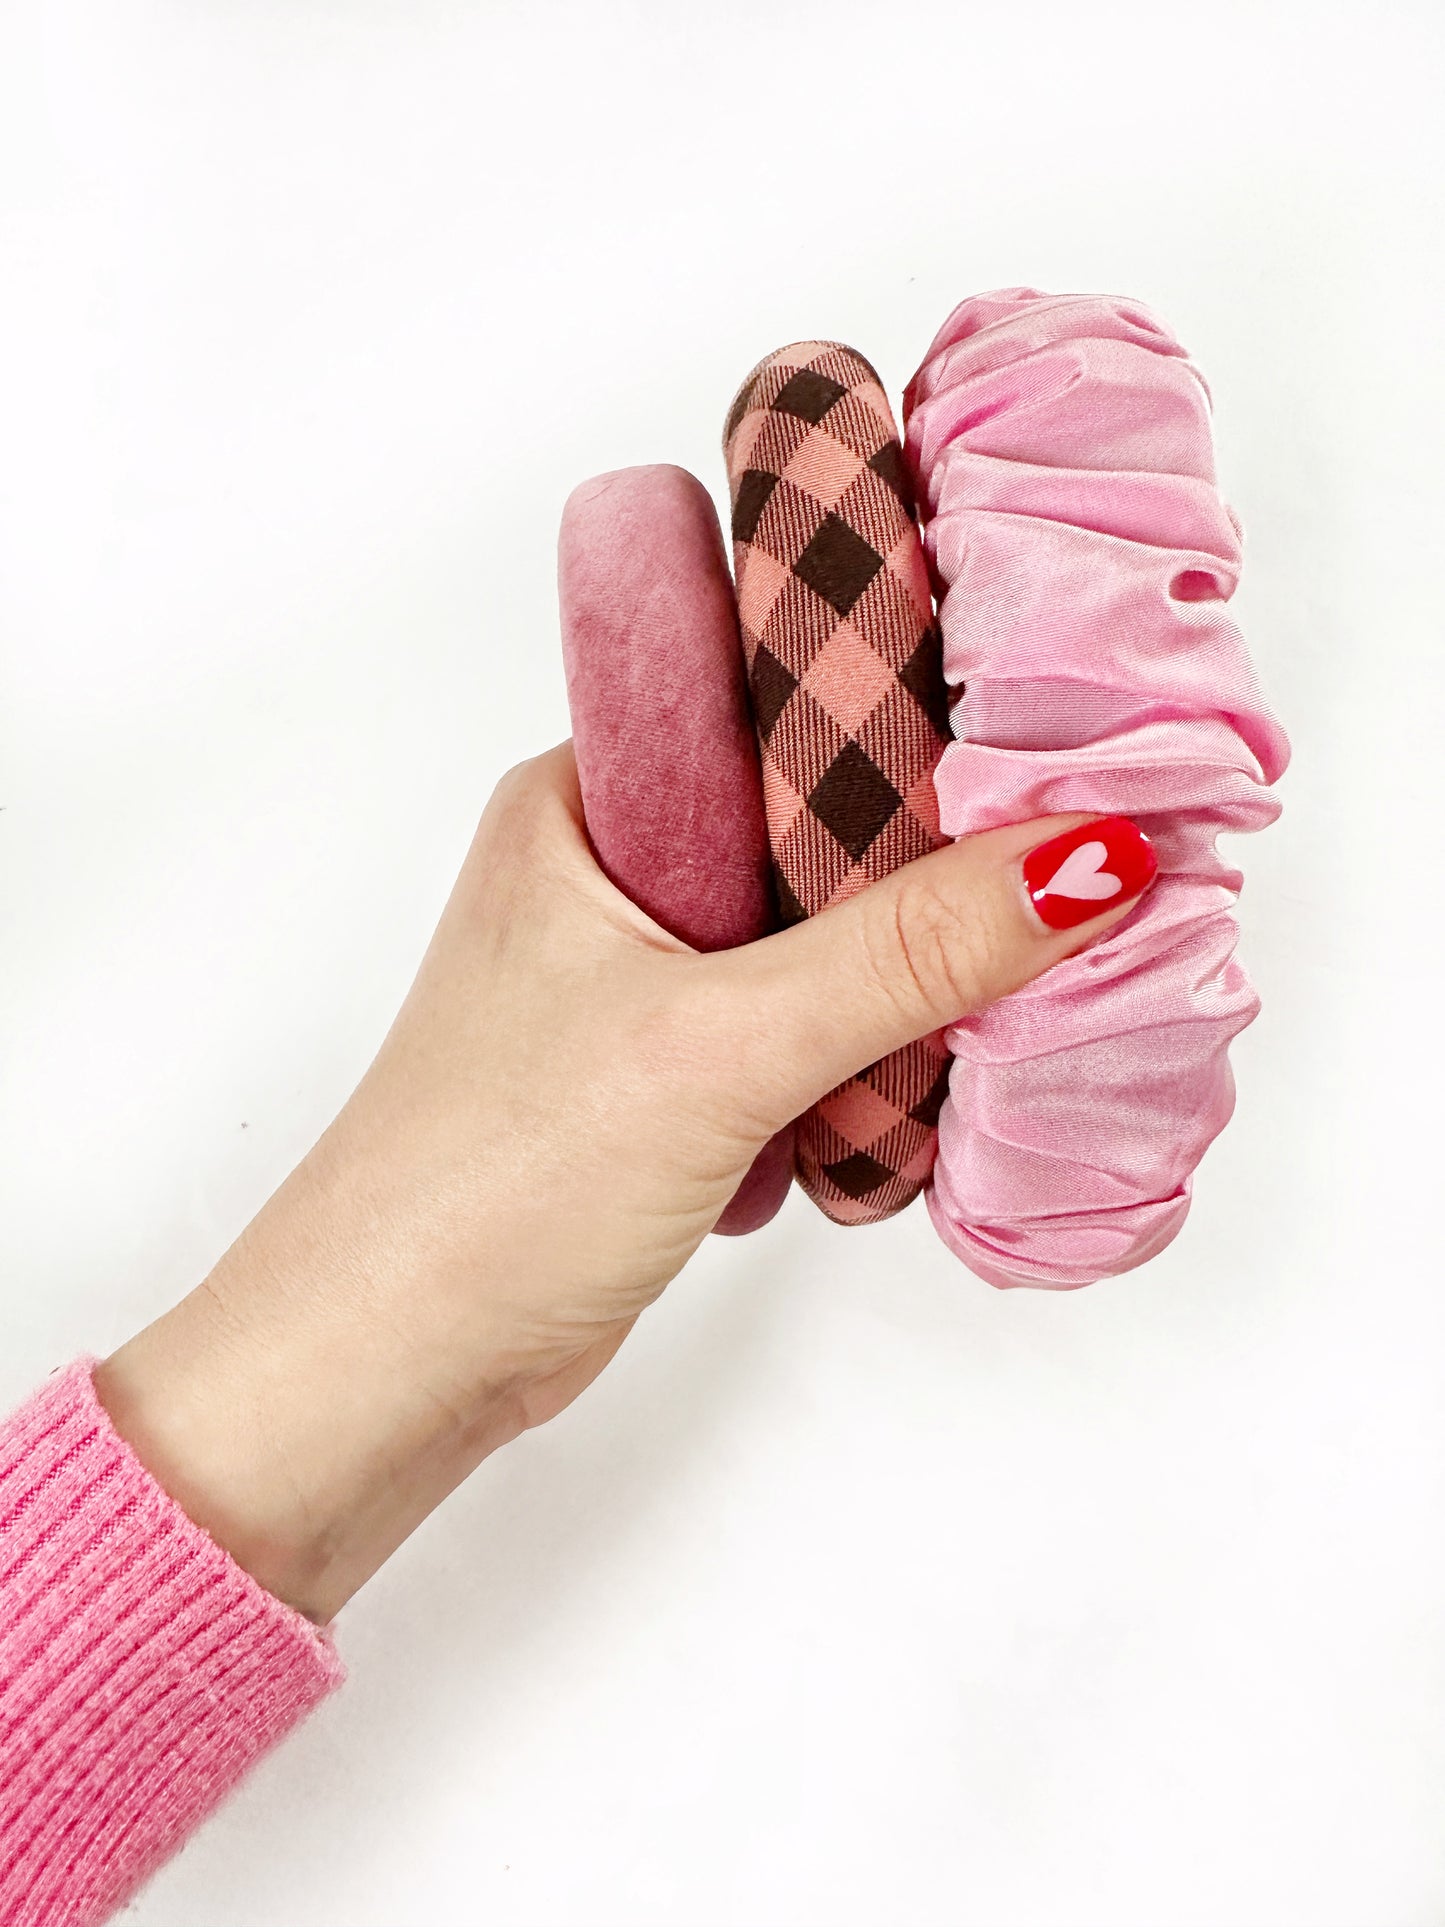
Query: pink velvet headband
{"type": "Point", "coordinates": [1082, 558]}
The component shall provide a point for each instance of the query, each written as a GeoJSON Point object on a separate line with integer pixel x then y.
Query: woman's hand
{"type": "Point", "coordinates": [565, 1103]}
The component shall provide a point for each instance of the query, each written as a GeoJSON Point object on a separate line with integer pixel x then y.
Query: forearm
{"type": "Point", "coordinates": [179, 1523]}
{"type": "Point", "coordinates": [290, 1407]}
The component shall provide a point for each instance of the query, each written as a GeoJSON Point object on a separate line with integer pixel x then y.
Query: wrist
{"type": "Point", "coordinates": [298, 1419]}
{"type": "Point", "coordinates": [307, 1472]}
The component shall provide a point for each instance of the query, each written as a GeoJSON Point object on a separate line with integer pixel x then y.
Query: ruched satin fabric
{"type": "Point", "coordinates": [1084, 560]}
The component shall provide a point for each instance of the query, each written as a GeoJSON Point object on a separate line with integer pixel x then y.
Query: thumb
{"type": "Point", "coordinates": [932, 942]}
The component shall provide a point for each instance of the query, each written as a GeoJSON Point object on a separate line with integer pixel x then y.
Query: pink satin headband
{"type": "Point", "coordinates": [1082, 559]}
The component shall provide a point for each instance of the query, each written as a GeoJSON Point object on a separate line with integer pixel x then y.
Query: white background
{"type": "Point", "coordinates": [856, 1592]}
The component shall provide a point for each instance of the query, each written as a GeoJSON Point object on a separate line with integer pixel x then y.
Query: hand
{"type": "Point", "coordinates": [565, 1103]}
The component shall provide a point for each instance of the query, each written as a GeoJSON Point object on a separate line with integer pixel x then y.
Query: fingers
{"type": "Point", "coordinates": [795, 1014]}
{"type": "Point", "coordinates": [935, 941]}
{"type": "Point", "coordinates": [544, 788]}
{"type": "Point", "coordinates": [533, 830]}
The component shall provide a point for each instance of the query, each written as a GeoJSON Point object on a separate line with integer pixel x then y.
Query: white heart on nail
{"type": "Point", "coordinates": [1082, 875]}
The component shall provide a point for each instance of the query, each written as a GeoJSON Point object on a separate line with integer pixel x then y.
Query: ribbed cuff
{"type": "Point", "coordinates": [142, 1671]}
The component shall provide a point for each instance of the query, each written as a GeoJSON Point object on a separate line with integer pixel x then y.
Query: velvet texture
{"type": "Point", "coordinates": [1084, 559]}
{"type": "Point", "coordinates": [671, 784]}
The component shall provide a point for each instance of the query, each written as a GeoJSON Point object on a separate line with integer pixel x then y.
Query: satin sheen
{"type": "Point", "coordinates": [1084, 560]}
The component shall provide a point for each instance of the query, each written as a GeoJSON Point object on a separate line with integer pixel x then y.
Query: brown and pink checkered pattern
{"type": "Point", "coordinates": [845, 672]}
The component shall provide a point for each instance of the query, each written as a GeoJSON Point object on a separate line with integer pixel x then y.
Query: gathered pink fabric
{"type": "Point", "coordinates": [142, 1672]}
{"type": "Point", "coordinates": [1084, 558]}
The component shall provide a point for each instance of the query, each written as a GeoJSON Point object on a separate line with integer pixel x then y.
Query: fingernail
{"type": "Point", "coordinates": [1088, 870]}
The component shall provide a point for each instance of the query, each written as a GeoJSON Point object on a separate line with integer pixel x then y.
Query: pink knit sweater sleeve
{"type": "Point", "coordinates": [142, 1672]}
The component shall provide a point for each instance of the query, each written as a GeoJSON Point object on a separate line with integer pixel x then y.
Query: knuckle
{"type": "Point", "coordinates": [513, 799]}
{"type": "Point", "coordinates": [932, 954]}
{"type": "Point", "coordinates": [518, 822]}
{"type": "Point", "coordinates": [508, 853]}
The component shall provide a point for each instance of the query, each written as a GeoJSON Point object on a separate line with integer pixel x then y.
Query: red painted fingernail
{"type": "Point", "coordinates": [1088, 870]}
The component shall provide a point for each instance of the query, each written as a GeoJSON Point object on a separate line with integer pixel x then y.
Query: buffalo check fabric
{"type": "Point", "coordinates": [845, 674]}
